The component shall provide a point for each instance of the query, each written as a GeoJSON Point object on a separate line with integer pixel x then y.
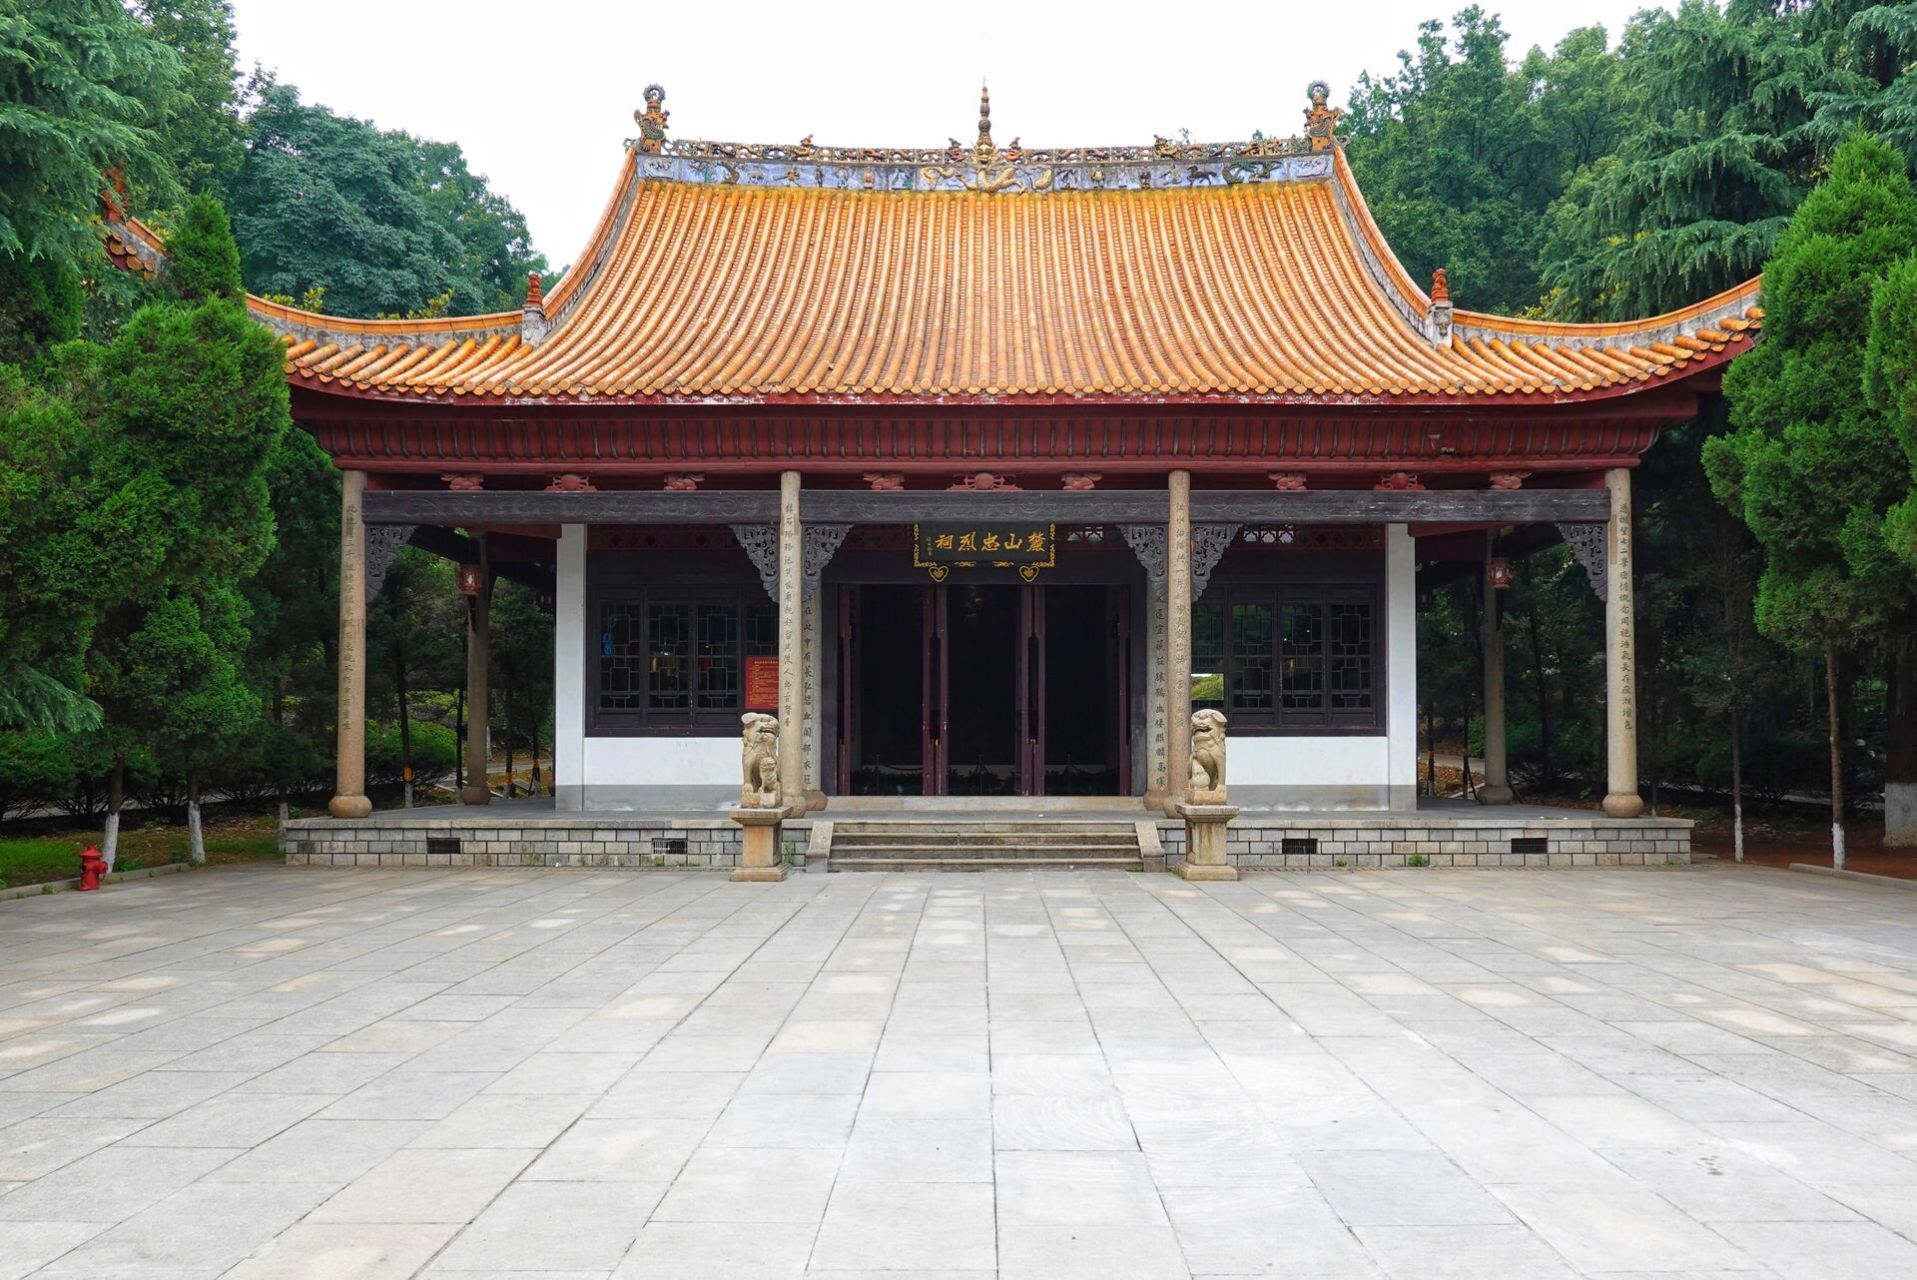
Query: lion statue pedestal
{"type": "Point", "coordinates": [761, 808]}
{"type": "Point", "coordinates": [1204, 809]}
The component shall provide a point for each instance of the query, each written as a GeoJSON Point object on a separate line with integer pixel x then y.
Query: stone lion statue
{"type": "Point", "coordinates": [1207, 757]}
{"type": "Point", "coordinates": [759, 761]}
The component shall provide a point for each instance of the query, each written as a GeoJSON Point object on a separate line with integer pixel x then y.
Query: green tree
{"type": "Point", "coordinates": [201, 135]}
{"type": "Point", "coordinates": [384, 223]}
{"type": "Point", "coordinates": [191, 398]}
{"type": "Point", "coordinates": [521, 671]}
{"type": "Point", "coordinates": [415, 629]}
{"type": "Point", "coordinates": [1460, 154]}
{"type": "Point", "coordinates": [83, 89]}
{"type": "Point", "coordinates": [1814, 467]}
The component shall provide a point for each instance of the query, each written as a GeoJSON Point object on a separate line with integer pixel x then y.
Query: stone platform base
{"type": "Point", "coordinates": [1464, 836]}
{"type": "Point", "coordinates": [480, 839]}
{"type": "Point", "coordinates": [1450, 835]}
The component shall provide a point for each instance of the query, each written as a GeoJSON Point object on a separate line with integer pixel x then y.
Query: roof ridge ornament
{"type": "Point", "coordinates": [1321, 120]}
{"type": "Point", "coordinates": [652, 121]}
{"type": "Point", "coordinates": [1437, 320]}
{"type": "Point", "coordinates": [533, 325]}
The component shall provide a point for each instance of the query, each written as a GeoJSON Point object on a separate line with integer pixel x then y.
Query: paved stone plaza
{"type": "Point", "coordinates": [272, 1072]}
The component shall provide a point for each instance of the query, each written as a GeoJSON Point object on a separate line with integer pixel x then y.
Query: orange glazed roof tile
{"type": "Point", "coordinates": [722, 273]}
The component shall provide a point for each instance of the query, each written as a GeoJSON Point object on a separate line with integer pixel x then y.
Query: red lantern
{"type": "Point", "coordinates": [1497, 571]}
{"type": "Point", "coordinates": [469, 579]}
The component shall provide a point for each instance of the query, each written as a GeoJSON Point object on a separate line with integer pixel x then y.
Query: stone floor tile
{"type": "Point", "coordinates": [231, 1120]}
{"type": "Point", "coordinates": [205, 1227]}
{"type": "Point", "coordinates": [1038, 1123]}
{"type": "Point", "coordinates": [1249, 1229]}
{"type": "Point", "coordinates": [1076, 1188]}
{"type": "Point", "coordinates": [1048, 1251]}
{"type": "Point", "coordinates": [25, 1247]}
{"type": "Point", "coordinates": [928, 1094]}
{"type": "Point", "coordinates": [504, 1120]}
{"type": "Point", "coordinates": [746, 1184]}
{"type": "Point", "coordinates": [619, 1150]}
{"type": "Point", "coordinates": [734, 1250]}
{"type": "Point", "coordinates": [336, 1151]}
{"type": "Point", "coordinates": [1464, 1253]}
{"type": "Point", "coordinates": [554, 1226]}
{"type": "Point", "coordinates": [1399, 1188]}
{"type": "Point", "coordinates": [154, 1095]}
{"type": "Point", "coordinates": [427, 1184]}
{"type": "Point", "coordinates": [906, 1226]}
{"type": "Point", "coordinates": [1620, 1227]}
{"type": "Point", "coordinates": [110, 1185]}
{"type": "Point", "coordinates": [909, 1149]}
{"type": "Point", "coordinates": [341, 1251]}
{"type": "Point", "coordinates": [1826, 1250]}
{"type": "Point", "coordinates": [817, 1120]}
{"type": "Point", "coordinates": [35, 1147]}
{"type": "Point", "coordinates": [565, 1073]}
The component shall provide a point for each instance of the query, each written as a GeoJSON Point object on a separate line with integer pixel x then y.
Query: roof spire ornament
{"type": "Point", "coordinates": [984, 115]}
{"type": "Point", "coordinates": [533, 325]}
{"type": "Point", "coordinates": [1321, 121]}
{"type": "Point", "coordinates": [1437, 321]}
{"type": "Point", "coordinates": [652, 121]}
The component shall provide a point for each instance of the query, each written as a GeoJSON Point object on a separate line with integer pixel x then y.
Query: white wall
{"type": "Point", "coordinates": [1313, 772]}
{"type": "Point", "coordinates": [1401, 617]}
{"type": "Point", "coordinates": [700, 762]}
{"type": "Point", "coordinates": [569, 666]}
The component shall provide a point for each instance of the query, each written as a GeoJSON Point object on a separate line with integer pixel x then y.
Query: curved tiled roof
{"type": "Point", "coordinates": [702, 288]}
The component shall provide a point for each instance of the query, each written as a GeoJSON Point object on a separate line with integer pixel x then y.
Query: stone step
{"type": "Point", "coordinates": [978, 830]}
{"type": "Point", "coordinates": [982, 845]}
{"type": "Point", "coordinates": [986, 863]}
{"type": "Point", "coordinates": [997, 847]}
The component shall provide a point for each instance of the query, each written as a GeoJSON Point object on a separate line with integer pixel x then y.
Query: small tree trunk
{"type": "Point", "coordinates": [533, 790]}
{"type": "Point", "coordinates": [506, 724]}
{"type": "Point", "coordinates": [116, 796]}
{"type": "Point", "coordinates": [1835, 717]}
{"type": "Point", "coordinates": [1900, 746]}
{"type": "Point", "coordinates": [459, 739]}
{"type": "Point", "coordinates": [405, 727]}
{"type": "Point", "coordinates": [1537, 675]}
{"type": "Point", "coordinates": [195, 837]}
{"type": "Point", "coordinates": [1737, 788]}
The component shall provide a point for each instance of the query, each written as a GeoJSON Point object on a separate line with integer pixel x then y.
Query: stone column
{"type": "Point", "coordinates": [792, 725]}
{"type": "Point", "coordinates": [1178, 641]}
{"type": "Point", "coordinates": [1621, 799]}
{"type": "Point", "coordinates": [478, 789]}
{"type": "Point", "coordinates": [349, 787]}
{"type": "Point", "coordinates": [1497, 781]}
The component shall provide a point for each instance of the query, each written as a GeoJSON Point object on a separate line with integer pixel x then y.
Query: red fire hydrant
{"type": "Point", "coordinates": [92, 867]}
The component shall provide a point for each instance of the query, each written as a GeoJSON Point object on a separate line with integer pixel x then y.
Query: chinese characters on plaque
{"type": "Point", "coordinates": [761, 684]}
{"type": "Point", "coordinates": [940, 548]}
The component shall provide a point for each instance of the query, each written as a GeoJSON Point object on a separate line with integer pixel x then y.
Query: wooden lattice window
{"type": "Point", "coordinates": [1297, 658]}
{"type": "Point", "coordinates": [672, 659]}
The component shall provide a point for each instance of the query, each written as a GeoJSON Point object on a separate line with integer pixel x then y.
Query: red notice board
{"type": "Point", "coordinates": [761, 684]}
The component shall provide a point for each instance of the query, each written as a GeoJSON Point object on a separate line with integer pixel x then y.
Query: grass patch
{"type": "Point", "coordinates": [37, 859]}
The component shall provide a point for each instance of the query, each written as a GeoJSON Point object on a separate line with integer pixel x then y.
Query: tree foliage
{"type": "Point", "coordinates": [1814, 466]}
{"type": "Point", "coordinates": [382, 222]}
{"type": "Point", "coordinates": [83, 92]}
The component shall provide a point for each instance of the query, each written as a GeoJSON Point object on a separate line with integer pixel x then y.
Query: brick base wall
{"type": "Point", "coordinates": [558, 842]}
{"type": "Point", "coordinates": [1258, 841]}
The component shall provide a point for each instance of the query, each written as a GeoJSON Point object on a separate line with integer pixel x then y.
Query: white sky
{"type": "Point", "coordinates": [540, 93]}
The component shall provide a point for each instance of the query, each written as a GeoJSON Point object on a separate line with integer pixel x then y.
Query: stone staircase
{"type": "Point", "coordinates": [1004, 844]}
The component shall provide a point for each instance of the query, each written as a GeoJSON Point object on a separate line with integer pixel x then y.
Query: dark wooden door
{"type": "Point", "coordinates": [935, 719]}
{"type": "Point", "coordinates": [1030, 690]}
